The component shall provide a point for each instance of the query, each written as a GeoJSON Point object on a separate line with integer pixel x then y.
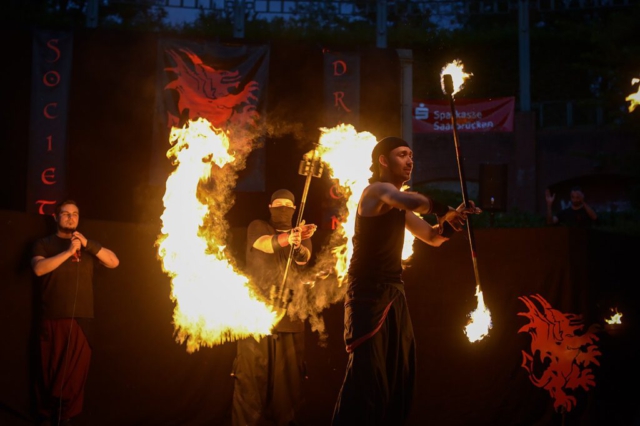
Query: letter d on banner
{"type": "Point", "coordinates": [341, 89]}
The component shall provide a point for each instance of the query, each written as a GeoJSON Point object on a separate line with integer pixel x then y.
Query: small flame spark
{"type": "Point", "coordinates": [213, 303]}
{"type": "Point", "coordinates": [634, 98]}
{"type": "Point", "coordinates": [457, 75]}
{"type": "Point", "coordinates": [615, 318]}
{"type": "Point", "coordinates": [479, 320]}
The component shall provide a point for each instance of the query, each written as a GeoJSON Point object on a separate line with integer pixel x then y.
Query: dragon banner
{"type": "Point", "coordinates": [222, 83]}
{"type": "Point", "coordinates": [562, 354]}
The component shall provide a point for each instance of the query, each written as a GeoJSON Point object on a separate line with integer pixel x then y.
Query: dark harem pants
{"type": "Point", "coordinates": [379, 382]}
{"type": "Point", "coordinates": [269, 376]}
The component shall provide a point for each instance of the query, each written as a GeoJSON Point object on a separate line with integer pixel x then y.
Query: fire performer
{"type": "Point", "coordinates": [379, 382]}
{"type": "Point", "coordinates": [65, 262]}
{"type": "Point", "coordinates": [269, 373]}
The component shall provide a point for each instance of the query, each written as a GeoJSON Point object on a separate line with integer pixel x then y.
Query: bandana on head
{"type": "Point", "coordinates": [384, 147]}
{"type": "Point", "coordinates": [283, 193]}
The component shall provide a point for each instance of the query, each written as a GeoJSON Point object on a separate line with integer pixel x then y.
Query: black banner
{"type": "Point", "coordinates": [51, 73]}
{"type": "Point", "coordinates": [225, 84]}
{"type": "Point", "coordinates": [342, 88]}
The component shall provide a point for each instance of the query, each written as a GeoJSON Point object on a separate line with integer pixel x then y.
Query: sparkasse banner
{"type": "Point", "coordinates": [472, 115]}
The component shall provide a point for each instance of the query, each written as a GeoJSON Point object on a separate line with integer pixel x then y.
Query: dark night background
{"type": "Point", "coordinates": [140, 376]}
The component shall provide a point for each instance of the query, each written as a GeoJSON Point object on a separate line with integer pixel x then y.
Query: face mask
{"type": "Point", "coordinates": [281, 217]}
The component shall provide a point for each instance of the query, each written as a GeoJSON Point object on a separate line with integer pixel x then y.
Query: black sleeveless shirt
{"type": "Point", "coordinates": [377, 246]}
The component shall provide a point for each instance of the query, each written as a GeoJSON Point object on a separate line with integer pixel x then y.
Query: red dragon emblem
{"type": "Point", "coordinates": [209, 93]}
{"type": "Point", "coordinates": [558, 350]}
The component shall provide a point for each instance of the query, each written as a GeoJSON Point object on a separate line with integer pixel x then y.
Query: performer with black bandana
{"type": "Point", "coordinates": [379, 382]}
{"type": "Point", "coordinates": [269, 373]}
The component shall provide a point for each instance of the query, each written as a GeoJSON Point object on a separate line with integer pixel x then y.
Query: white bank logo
{"type": "Point", "coordinates": [421, 112]}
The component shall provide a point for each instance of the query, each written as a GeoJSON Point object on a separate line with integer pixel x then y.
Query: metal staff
{"type": "Point", "coordinates": [449, 91]}
{"type": "Point", "coordinates": [310, 167]}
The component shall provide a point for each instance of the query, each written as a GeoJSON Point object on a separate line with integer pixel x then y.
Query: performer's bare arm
{"type": "Point", "coordinates": [423, 230]}
{"type": "Point", "coordinates": [263, 243]}
{"type": "Point", "coordinates": [108, 258]}
{"type": "Point", "coordinates": [104, 255]}
{"type": "Point", "coordinates": [380, 197]}
{"type": "Point", "coordinates": [43, 265]}
{"type": "Point", "coordinates": [431, 234]}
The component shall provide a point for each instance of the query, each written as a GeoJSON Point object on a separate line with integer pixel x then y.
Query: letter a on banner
{"type": "Point", "coordinates": [224, 84]}
{"type": "Point", "coordinates": [50, 75]}
{"type": "Point", "coordinates": [342, 88]}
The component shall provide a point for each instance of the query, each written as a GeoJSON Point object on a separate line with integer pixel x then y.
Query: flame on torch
{"type": "Point", "coordinates": [213, 303]}
{"type": "Point", "coordinates": [454, 69]}
{"type": "Point", "coordinates": [479, 320]}
{"type": "Point", "coordinates": [615, 318]}
{"type": "Point", "coordinates": [634, 98]}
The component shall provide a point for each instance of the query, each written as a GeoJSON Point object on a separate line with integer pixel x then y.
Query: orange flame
{"type": "Point", "coordinates": [479, 320]}
{"type": "Point", "coordinates": [213, 303]}
{"type": "Point", "coordinates": [343, 150]}
{"type": "Point", "coordinates": [347, 156]}
{"type": "Point", "coordinates": [634, 98]}
{"type": "Point", "coordinates": [457, 75]}
{"type": "Point", "coordinates": [615, 318]}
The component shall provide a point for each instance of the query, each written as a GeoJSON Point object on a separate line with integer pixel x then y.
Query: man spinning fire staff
{"type": "Point", "coordinates": [379, 382]}
{"type": "Point", "coordinates": [269, 373]}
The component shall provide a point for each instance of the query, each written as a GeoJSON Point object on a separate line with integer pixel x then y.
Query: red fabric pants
{"type": "Point", "coordinates": [65, 355]}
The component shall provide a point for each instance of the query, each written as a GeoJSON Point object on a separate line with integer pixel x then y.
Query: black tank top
{"type": "Point", "coordinates": [377, 246]}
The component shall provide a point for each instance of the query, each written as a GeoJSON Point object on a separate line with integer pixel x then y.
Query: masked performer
{"type": "Point", "coordinates": [269, 373]}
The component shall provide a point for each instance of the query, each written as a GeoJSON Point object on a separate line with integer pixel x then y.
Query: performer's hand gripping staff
{"type": "Point", "coordinates": [311, 166]}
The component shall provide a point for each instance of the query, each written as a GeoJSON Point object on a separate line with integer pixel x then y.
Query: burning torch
{"type": "Point", "coordinates": [449, 89]}
{"type": "Point", "coordinates": [310, 166]}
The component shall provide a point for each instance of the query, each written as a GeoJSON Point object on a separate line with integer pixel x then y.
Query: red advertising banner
{"type": "Point", "coordinates": [472, 115]}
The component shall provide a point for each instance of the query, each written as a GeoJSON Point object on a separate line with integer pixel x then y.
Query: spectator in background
{"type": "Point", "coordinates": [578, 214]}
